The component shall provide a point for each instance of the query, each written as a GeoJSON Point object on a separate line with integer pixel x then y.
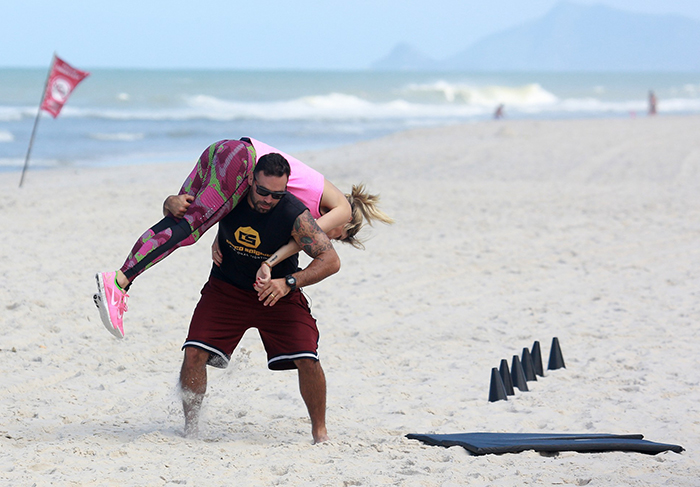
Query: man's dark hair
{"type": "Point", "coordinates": [273, 165]}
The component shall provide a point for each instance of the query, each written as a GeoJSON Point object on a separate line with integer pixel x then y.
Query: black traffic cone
{"type": "Point", "coordinates": [507, 379]}
{"type": "Point", "coordinates": [528, 366]}
{"type": "Point", "coordinates": [518, 374]}
{"type": "Point", "coordinates": [556, 359]}
{"type": "Point", "coordinates": [536, 355]}
{"type": "Point", "coordinates": [497, 391]}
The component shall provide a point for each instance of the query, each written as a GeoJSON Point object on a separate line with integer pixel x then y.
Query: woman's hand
{"type": "Point", "coordinates": [262, 277]}
{"type": "Point", "coordinates": [216, 254]}
{"type": "Point", "coordinates": [176, 205]}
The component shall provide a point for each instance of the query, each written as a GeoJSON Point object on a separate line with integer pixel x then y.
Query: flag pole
{"type": "Point", "coordinates": [36, 120]}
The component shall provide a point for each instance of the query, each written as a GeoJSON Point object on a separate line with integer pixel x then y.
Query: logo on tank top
{"type": "Point", "coordinates": [247, 237]}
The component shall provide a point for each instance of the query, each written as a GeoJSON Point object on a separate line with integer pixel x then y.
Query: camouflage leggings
{"type": "Point", "coordinates": [217, 183]}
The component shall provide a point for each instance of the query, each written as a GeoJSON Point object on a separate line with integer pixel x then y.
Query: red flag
{"type": "Point", "coordinates": [62, 81]}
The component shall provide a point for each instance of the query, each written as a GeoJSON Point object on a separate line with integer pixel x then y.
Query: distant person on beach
{"type": "Point", "coordinates": [498, 114]}
{"type": "Point", "coordinates": [652, 103]}
{"type": "Point", "coordinates": [230, 305]}
{"type": "Point", "coordinates": [211, 191]}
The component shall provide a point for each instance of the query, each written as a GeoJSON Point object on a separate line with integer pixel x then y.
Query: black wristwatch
{"type": "Point", "coordinates": [291, 282]}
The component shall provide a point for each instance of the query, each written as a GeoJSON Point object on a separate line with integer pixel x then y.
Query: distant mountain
{"type": "Point", "coordinates": [405, 57]}
{"type": "Point", "coordinates": [573, 37]}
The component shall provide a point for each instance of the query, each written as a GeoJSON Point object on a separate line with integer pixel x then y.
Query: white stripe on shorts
{"type": "Point", "coordinates": [208, 348]}
{"type": "Point", "coordinates": [294, 356]}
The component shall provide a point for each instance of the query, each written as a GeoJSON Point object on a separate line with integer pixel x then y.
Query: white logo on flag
{"type": "Point", "coordinates": [60, 89]}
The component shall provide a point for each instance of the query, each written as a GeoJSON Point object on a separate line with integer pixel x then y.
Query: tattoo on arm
{"type": "Point", "coordinates": [309, 235]}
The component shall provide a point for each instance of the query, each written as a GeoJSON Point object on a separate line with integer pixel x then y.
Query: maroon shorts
{"type": "Point", "coordinates": [224, 313]}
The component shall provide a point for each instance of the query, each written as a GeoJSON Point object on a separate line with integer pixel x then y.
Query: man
{"type": "Point", "coordinates": [233, 302]}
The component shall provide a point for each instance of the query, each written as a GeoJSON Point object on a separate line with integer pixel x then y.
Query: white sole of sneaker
{"type": "Point", "coordinates": [100, 300]}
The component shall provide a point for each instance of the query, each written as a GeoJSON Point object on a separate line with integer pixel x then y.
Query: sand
{"type": "Point", "coordinates": [507, 232]}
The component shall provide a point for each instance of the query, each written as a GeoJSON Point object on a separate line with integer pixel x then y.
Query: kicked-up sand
{"type": "Point", "coordinates": [506, 232]}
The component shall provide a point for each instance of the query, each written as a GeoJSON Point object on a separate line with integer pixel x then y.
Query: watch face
{"type": "Point", "coordinates": [292, 282]}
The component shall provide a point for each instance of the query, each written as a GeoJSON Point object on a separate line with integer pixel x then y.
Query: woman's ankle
{"type": "Point", "coordinates": [122, 281]}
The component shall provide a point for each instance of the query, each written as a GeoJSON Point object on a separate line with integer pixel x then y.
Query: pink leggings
{"type": "Point", "coordinates": [217, 183]}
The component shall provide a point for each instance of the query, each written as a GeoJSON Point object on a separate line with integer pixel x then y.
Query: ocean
{"type": "Point", "coordinates": [118, 117]}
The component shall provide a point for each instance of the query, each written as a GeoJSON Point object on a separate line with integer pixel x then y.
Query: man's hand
{"type": "Point", "coordinates": [176, 205]}
{"type": "Point", "coordinates": [273, 291]}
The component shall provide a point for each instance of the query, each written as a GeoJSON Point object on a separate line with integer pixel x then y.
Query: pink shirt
{"type": "Point", "coordinates": [304, 183]}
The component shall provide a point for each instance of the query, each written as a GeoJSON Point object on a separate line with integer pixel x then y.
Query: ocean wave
{"type": "Point", "coordinates": [486, 96]}
{"type": "Point", "coordinates": [594, 106]}
{"type": "Point", "coordinates": [118, 136]}
{"type": "Point", "coordinates": [6, 136]}
{"type": "Point", "coordinates": [340, 107]}
{"type": "Point", "coordinates": [679, 105]}
{"type": "Point", "coordinates": [14, 114]}
{"type": "Point", "coordinates": [8, 164]}
{"type": "Point", "coordinates": [334, 106]}
{"type": "Point", "coordinates": [588, 106]}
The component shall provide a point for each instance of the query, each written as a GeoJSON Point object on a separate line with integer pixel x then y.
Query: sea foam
{"type": "Point", "coordinates": [118, 136]}
{"type": "Point", "coordinates": [6, 136]}
{"type": "Point", "coordinates": [489, 95]}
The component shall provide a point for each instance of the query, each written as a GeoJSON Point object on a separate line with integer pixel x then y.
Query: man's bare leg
{"type": "Point", "coordinates": [193, 385]}
{"type": "Point", "coordinates": [312, 384]}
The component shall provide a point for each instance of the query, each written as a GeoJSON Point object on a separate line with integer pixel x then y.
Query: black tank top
{"type": "Point", "coordinates": [247, 237]}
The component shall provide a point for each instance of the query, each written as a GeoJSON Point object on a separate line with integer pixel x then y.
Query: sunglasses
{"type": "Point", "coordinates": [263, 191]}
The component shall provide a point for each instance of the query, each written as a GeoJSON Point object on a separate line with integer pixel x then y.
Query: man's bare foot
{"type": "Point", "coordinates": [191, 429]}
{"type": "Point", "coordinates": [320, 436]}
{"type": "Point", "coordinates": [191, 405]}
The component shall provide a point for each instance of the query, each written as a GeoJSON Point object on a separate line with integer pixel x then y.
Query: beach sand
{"type": "Point", "coordinates": [506, 232]}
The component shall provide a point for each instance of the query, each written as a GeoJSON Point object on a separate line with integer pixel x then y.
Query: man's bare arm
{"type": "Point", "coordinates": [312, 240]}
{"type": "Point", "coordinates": [315, 243]}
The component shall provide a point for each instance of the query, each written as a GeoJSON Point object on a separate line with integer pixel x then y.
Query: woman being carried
{"type": "Point", "coordinates": [215, 186]}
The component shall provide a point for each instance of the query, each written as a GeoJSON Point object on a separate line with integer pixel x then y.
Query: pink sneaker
{"type": "Point", "coordinates": [111, 301]}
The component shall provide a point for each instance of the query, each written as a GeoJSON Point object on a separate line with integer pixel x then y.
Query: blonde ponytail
{"type": "Point", "coordinates": [364, 208]}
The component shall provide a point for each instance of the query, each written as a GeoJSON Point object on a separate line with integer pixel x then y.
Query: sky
{"type": "Point", "coordinates": [263, 34]}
